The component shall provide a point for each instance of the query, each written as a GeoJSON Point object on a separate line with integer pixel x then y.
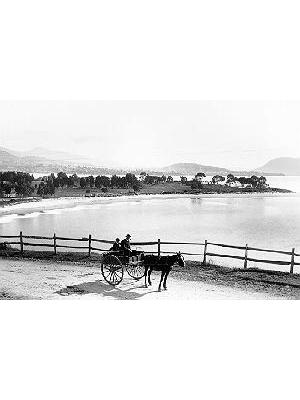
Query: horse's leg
{"type": "Point", "coordinates": [166, 277]}
{"type": "Point", "coordinates": [146, 273]}
{"type": "Point", "coordinates": [149, 276]}
{"type": "Point", "coordinates": [161, 279]}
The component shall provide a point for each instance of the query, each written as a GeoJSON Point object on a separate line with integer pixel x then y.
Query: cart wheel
{"type": "Point", "coordinates": [135, 271]}
{"type": "Point", "coordinates": [112, 270]}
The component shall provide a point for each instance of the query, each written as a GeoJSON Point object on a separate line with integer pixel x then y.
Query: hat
{"type": "Point", "coordinates": [128, 235]}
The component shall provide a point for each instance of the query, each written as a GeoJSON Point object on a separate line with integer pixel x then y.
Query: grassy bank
{"type": "Point", "coordinates": [166, 188]}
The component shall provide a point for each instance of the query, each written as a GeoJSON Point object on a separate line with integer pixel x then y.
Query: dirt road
{"type": "Point", "coordinates": [41, 279]}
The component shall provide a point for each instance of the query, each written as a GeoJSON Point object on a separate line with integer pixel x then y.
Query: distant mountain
{"type": "Point", "coordinates": [40, 156]}
{"type": "Point", "coordinates": [194, 168]}
{"type": "Point", "coordinates": [43, 160]}
{"type": "Point", "coordinates": [284, 165]}
{"type": "Point", "coordinates": [56, 155]}
{"type": "Point", "coordinates": [18, 156]}
{"type": "Point", "coordinates": [6, 157]}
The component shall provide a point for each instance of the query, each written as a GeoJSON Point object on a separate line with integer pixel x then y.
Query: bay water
{"type": "Point", "coordinates": [261, 220]}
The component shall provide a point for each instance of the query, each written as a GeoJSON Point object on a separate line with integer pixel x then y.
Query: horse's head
{"type": "Point", "coordinates": [180, 259]}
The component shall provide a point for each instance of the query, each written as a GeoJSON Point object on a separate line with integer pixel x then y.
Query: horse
{"type": "Point", "coordinates": [163, 264]}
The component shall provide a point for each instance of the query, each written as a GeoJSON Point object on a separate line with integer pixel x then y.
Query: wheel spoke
{"type": "Point", "coordinates": [112, 269]}
{"type": "Point", "coordinates": [136, 272]}
{"type": "Point", "coordinates": [119, 273]}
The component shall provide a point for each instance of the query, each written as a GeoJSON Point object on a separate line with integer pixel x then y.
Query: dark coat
{"type": "Point", "coordinates": [116, 247]}
{"type": "Point", "coordinates": [125, 244]}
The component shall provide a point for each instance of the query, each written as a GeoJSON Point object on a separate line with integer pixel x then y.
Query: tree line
{"type": "Point", "coordinates": [24, 184]}
{"type": "Point", "coordinates": [20, 182]}
{"type": "Point", "coordinates": [103, 182]}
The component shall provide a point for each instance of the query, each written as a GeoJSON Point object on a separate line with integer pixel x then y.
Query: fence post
{"type": "Point", "coordinates": [21, 243]}
{"type": "Point", "coordinates": [205, 249]}
{"type": "Point", "coordinates": [246, 255]}
{"type": "Point", "coordinates": [54, 243]}
{"type": "Point", "coordinates": [158, 247]}
{"type": "Point", "coordinates": [90, 244]}
{"type": "Point", "coordinates": [292, 261]}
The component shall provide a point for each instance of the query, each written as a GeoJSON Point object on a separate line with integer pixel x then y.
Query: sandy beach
{"type": "Point", "coordinates": [40, 204]}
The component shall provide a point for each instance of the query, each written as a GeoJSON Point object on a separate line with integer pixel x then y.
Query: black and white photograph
{"type": "Point", "coordinates": [149, 199]}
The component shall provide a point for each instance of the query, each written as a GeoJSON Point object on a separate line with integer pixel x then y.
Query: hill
{"type": "Point", "coordinates": [53, 155]}
{"type": "Point", "coordinates": [6, 157]}
{"type": "Point", "coordinates": [39, 160]}
{"type": "Point", "coordinates": [43, 160]}
{"type": "Point", "coordinates": [284, 165]}
{"type": "Point", "coordinates": [193, 168]}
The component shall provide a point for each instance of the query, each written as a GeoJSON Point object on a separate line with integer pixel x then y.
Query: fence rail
{"type": "Point", "coordinates": [23, 241]}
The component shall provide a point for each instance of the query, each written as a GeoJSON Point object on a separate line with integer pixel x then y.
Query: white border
{"type": "Point", "coordinates": [177, 50]}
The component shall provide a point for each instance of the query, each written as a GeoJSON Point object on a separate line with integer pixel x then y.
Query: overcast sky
{"type": "Point", "coordinates": [134, 134]}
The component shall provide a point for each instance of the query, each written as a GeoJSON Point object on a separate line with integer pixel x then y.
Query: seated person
{"type": "Point", "coordinates": [116, 246]}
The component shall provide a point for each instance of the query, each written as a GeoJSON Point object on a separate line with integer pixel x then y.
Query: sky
{"type": "Point", "coordinates": [232, 134]}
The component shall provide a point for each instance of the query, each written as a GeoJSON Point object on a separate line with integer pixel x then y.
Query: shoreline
{"type": "Point", "coordinates": [34, 204]}
{"type": "Point", "coordinates": [9, 202]}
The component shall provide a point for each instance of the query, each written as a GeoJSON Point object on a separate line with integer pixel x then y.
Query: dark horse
{"type": "Point", "coordinates": [163, 264]}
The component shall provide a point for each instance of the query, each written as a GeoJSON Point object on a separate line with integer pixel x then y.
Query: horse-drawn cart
{"type": "Point", "coordinates": [138, 266]}
{"type": "Point", "coordinates": [114, 264]}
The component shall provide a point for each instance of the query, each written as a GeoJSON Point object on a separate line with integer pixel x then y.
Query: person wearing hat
{"type": "Point", "coordinates": [125, 245]}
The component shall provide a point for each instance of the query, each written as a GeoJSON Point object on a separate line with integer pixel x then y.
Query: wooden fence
{"type": "Point", "coordinates": [90, 243]}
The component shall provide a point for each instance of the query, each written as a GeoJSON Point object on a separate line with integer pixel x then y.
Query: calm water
{"type": "Point", "coordinates": [261, 221]}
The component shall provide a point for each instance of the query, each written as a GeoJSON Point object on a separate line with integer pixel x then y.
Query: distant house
{"type": "Point", "coordinates": [35, 184]}
{"type": "Point", "coordinates": [234, 184]}
{"type": "Point", "coordinates": [12, 193]}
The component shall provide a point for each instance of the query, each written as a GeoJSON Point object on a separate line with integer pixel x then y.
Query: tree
{"type": "Point", "coordinates": [254, 181]}
{"type": "Point", "coordinates": [150, 180]}
{"type": "Point", "coordinates": [82, 182]}
{"type": "Point", "coordinates": [63, 179]}
{"type": "Point", "coordinates": [199, 176]}
{"type": "Point", "coordinates": [170, 178]}
{"type": "Point", "coordinates": [114, 181]}
{"type": "Point", "coordinates": [217, 178]}
{"type": "Point", "coordinates": [243, 181]}
{"type": "Point", "coordinates": [262, 181]}
{"type": "Point", "coordinates": [90, 181]}
{"type": "Point", "coordinates": [76, 180]}
{"type": "Point", "coordinates": [183, 180]}
{"type": "Point", "coordinates": [131, 180]}
{"type": "Point", "coordinates": [101, 181]}
{"type": "Point", "coordinates": [41, 189]}
{"type": "Point", "coordinates": [230, 179]}
{"type": "Point", "coordinates": [18, 181]}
